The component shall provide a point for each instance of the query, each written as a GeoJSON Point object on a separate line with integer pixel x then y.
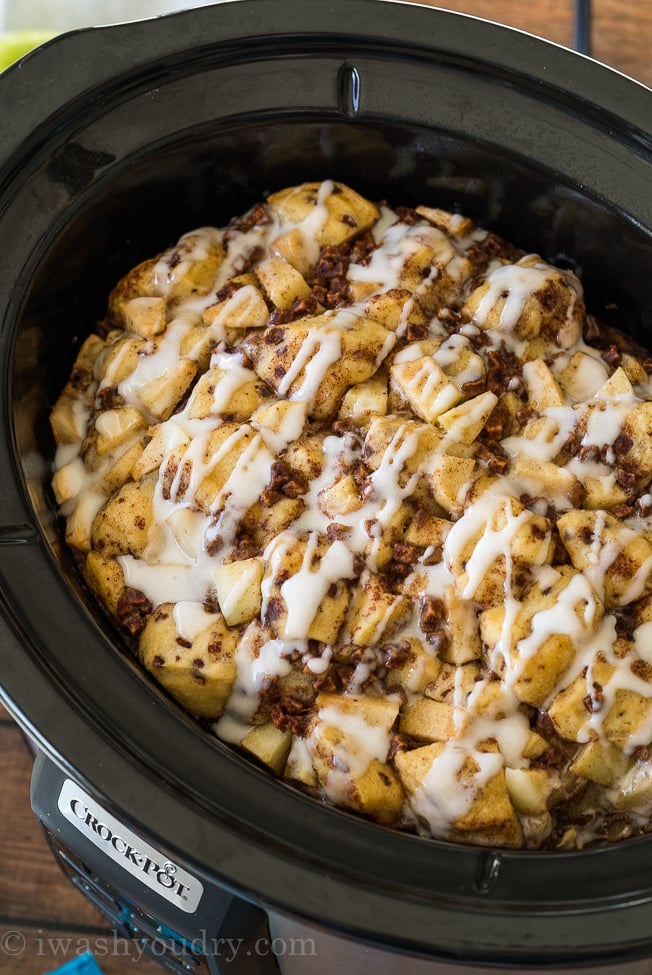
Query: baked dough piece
{"type": "Point", "coordinates": [368, 493]}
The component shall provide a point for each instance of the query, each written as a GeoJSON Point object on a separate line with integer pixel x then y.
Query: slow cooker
{"type": "Point", "coordinates": [117, 140]}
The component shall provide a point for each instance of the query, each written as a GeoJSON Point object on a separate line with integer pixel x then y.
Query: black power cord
{"type": "Point", "coordinates": [582, 26]}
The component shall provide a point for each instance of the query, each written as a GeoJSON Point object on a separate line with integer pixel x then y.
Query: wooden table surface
{"type": "Point", "coordinates": [44, 921]}
{"type": "Point", "coordinates": [621, 33]}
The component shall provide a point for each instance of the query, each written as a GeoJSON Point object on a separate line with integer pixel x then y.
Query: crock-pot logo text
{"type": "Point", "coordinates": [128, 850]}
{"type": "Point", "coordinates": [165, 874]}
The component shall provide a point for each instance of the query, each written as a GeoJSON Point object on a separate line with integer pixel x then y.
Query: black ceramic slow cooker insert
{"type": "Point", "coordinates": [117, 140]}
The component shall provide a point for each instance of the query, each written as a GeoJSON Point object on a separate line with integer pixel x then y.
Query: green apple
{"type": "Point", "coordinates": [15, 43]}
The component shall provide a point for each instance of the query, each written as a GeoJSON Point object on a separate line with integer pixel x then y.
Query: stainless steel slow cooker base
{"type": "Point", "coordinates": [320, 952]}
{"type": "Point", "coordinates": [137, 133]}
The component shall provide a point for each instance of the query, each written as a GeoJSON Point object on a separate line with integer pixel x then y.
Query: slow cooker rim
{"type": "Point", "coordinates": [546, 60]}
{"type": "Point", "coordinates": [19, 504]}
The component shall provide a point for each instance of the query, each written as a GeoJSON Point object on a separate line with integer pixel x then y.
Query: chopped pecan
{"type": "Point", "coordinates": [494, 457]}
{"type": "Point", "coordinates": [324, 683]}
{"type": "Point", "coordinates": [133, 610]}
{"type": "Point", "coordinates": [607, 455]}
{"type": "Point", "coordinates": [543, 725]}
{"type": "Point", "coordinates": [344, 674]}
{"type": "Point", "coordinates": [504, 370]}
{"type": "Point", "coordinates": [278, 316]}
{"type": "Point", "coordinates": [342, 427]}
{"type": "Point", "coordinates": [258, 216]}
{"type": "Point", "coordinates": [594, 700]}
{"type": "Point", "coordinates": [275, 609]}
{"type": "Point", "coordinates": [397, 572]}
{"type": "Point", "coordinates": [626, 479]}
{"type": "Point", "coordinates": [246, 261]}
{"type": "Point", "coordinates": [303, 307]}
{"type": "Point", "coordinates": [290, 720]}
{"type": "Point", "coordinates": [320, 294]}
{"type": "Point", "coordinates": [431, 613]}
{"type": "Point", "coordinates": [524, 416]}
{"type": "Point", "coordinates": [335, 532]}
{"type": "Point", "coordinates": [227, 291]}
{"type": "Point", "coordinates": [269, 687]}
{"type": "Point", "coordinates": [611, 356]}
{"type": "Point", "coordinates": [398, 743]}
{"type": "Point", "coordinates": [623, 511]}
{"type": "Point", "coordinates": [370, 679]}
{"type": "Point", "coordinates": [590, 454]}
{"type": "Point", "coordinates": [407, 215]}
{"type": "Point", "coordinates": [497, 423]}
{"type": "Point", "coordinates": [295, 487]}
{"type": "Point", "coordinates": [643, 506]}
{"type": "Point", "coordinates": [551, 295]}
{"type": "Point", "coordinates": [337, 293]}
{"type": "Point", "coordinates": [211, 604]}
{"type": "Point", "coordinates": [433, 555]}
{"type": "Point", "coordinates": [332, 262]}
{"type": "Point", "coordinates": [416, 331]}
{"type": "Point", "coordinates": [473, 388]}
{"type": "Point", "coordinates": [245, 548]}
{"type": "Point", "coordinates": [292, 705]}
{"type": "Point", "coordinates": [541, 506]}
{"type": "Point", "coordinates": [395, 654]}
{"type": "Point", "coordinates": [626, 622]}
{"type": "Point", "coordinates": [274, 336]}
{"type": "Point", "coordinates": [576, 494]}
{"type": "Point", "coordinates": [105, 325]}
{"type": "Point", "coordinates": [491, 246]}
{"type": "Point", "coordinates": [108, 398]}
{"type": "Point", "coordinates": [437, 639]}
{"type": "Point", "coordinates": [622, 445]}
{"type": "Point", "coordinates": [362, 248]}
{"type": "Point", "coordinates": [359, 654]}
{"type": "Point", "coordinates": [362, 477]}
{"type": "Point", "coordinates": [284, 482]}
{"type": "Point", "coordinates": [405, 552]}
{"type": "Point", "coordinates": [572, 445]}
{"type": "Point", "coordinates": [372, 527]}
